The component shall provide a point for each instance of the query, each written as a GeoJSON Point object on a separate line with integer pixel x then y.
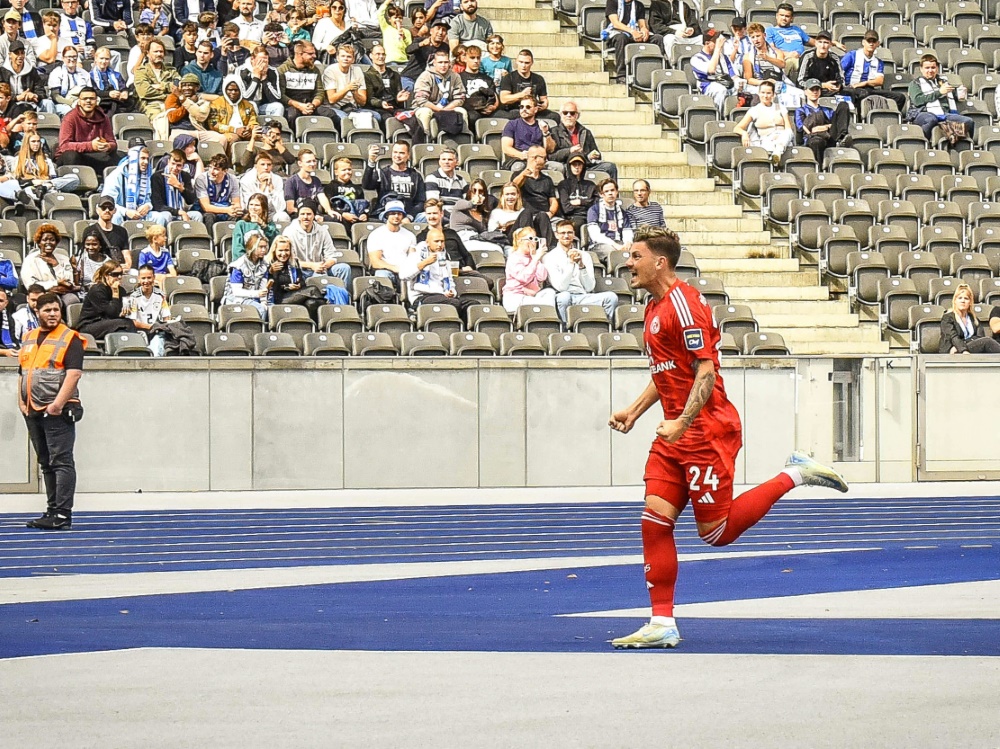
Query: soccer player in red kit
{"type": "Point", "coordinates": [694, 453]}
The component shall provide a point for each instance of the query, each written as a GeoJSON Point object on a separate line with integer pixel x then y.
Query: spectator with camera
{"type": "Point", "coordinates": [398, 180]}
{"type": "Point", "coordinates": [526, 273]}
{"type": "Point", "coordinates": [432, 281]}
{"type": "Point", "coordinates": [270, 140]}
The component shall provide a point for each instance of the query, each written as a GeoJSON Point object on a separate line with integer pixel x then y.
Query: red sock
{"type": "Point", "coordinates": [660, 554]}
{"type": "Point", "coordinates": [748, 508]}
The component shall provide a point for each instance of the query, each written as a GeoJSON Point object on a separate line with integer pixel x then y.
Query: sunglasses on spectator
{"type": "Point", "coordinates": [568, 113]}
{"type": "Point", "coordinates": [116, 274]}
{"type": "Point", "coordinates": [526, 106]}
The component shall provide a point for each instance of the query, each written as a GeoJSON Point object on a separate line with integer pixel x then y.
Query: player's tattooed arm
{"type": "Point", "coordinates": [701, 391]}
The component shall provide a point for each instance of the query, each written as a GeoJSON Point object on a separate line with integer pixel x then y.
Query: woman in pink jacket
{"type": "Point", "coordinates": [525, 273]}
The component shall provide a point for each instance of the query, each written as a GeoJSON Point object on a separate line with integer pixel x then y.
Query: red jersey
{"type": "Point", "coordinates": [680, 330]}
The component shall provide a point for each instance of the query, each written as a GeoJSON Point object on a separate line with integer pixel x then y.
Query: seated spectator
{"type": "Point", "coordinates": [270, 140]}
{"type": "Point", "coordinates": [102, 307]}
{"type": "Point", "coordinates": [330, 28]}
{"type": "Point", "coordinates": [820, 127]}
{"type": "Point", "coordinates": [231, 115]}
{"type": "Point", "coordinates": [173, 194]}
{"type": "Point", "coordinates": [12, 31]}
{"type": "Point", "coordinates": [643, 212]}
{"type": "Point", "coordinates": [112, 16]}
{"type": "Point", "coordinates": [766, 124]}
{"type": "Point", "coordinates": [495, 64]}
{"type": "Point", "coordinates": [538, 191]}
{"type": "Point", "coordinates": [86, 136]}
{"type": "Point", "coordinates": [139, 54]}
{"type": "Point", "coordinates": [114, 95]}
{"type": "Point", "coordinates": [208, 28]}
{"type": "Point", "coordinates": [248, 281]}
{"type": "Point", "coordinates": [251, 27]}
{"type": "Point", "coordinates": [10, 115]}
{"type": "Point", "coordinates": [675, 22]}
{"type": "Point", "coordinates": [346, 90]}
{"type": "Point", "coordinates": [37, 172]}
{"type": "Point", "coordinates": [301, 84]}
{"type": "Point", "coordinates": [386, 94]}
{"type": "Point", "coordinates": [26, 318]}
{"type": "Point", "coordinates": [513, 213]}
{"type": "Point", "coordinates": [395, 38]}
{"type": "Point", "coordinates": [66, 81]}
{"type": "Point", "coordinates": [571, 274]}
{"type": "Point", "coordinates": [481, 98]}
{"type": "Point", "coordinates": [762, 62]}
{"type": "Point", "coordinates": [273, 41]}
{"type": "Point", "coordinates": [445, 183]}
{"type": "Point", "coordinates": [157, 16]}
{"type": "Point", "coordinates": [114, 239]}
{"type": "Point", "coordinates": [470, 218]}
{"type": "Point", "coordinates": [193, 164]}
{"type": "Point", "coordinates": [202, 68]}
{"type": "Point", "coordinates": [419, 23]}
{"type": "Point", "coordinates": [864, 76]}
{"type": "Point", "coordinates": [146, 306]}
{"type": "Point", "coordinates": [421, 52]}
{"type": "Point", "coordinates": [154, 80]}
{"type": "Point", "coordinates": [715, 73]}
{"type": "Point", "coordinates": [218, 192]}
{"type": "Point", "coordinates": [8, 340]}
{"type": "Point", "coordinates": [87, 263]}
{"type": "Point", "coordinates": [573, 139]}
{"type": "Point", "coordinates": [737, 46]}
{"type": "Point", "coordinates": [11, 190]}
{"type": "Point", "coordinates": [454, 246]}
{"type": "Point", "coordinates": [404, 182]}
{"type": "Point", "coordinates": [522, 133]}
{"type": "Point", "coordinates": [346, 199]}
{"type": "Point", "coordinates": [430, 280]}
{"type": "Point", "coordinates": [313, 244]}
{"type": "Point", "coordinates": [521, 85]}
{"type": "Point", "coordinates": [288, 281]}
{"type": "Point", "coordinates": [364, 18]}
{"type": "Point", "coordinates": [468, 28]}
{"type": "Point", "coordinates": [25, 124]}
{"type": "Point", "coordinates": [526, 273]}
{"type": "Point", "coordinates": [933, 100]}
{"type": "Point", "coordinates": [608, 226]}
{"type": "Point", "coordinates": [575, 192]}
{"type": "Point", "coordinates": [305, 185]}
{"type": "Point", "coordinates": [9, 280]}
{"type": "Point", "coordinates": [74, 26]}
{"type": "Point", "coordinates": [389, 245]}
{"type": "Point", "coordinates": [961, 332]}
{"type": "Point", "coordinates": [626, 24]}
{"type": "Point", "coordinates": [47, 269]}
{"type": "Point", "coordinates": [441, 11]}
{"type": "Point", "coordinates": [261, 179]}
{"type": "Point", "coordinates": [232, 54]}
{"type": "Point", "coordinates": [822, 65]}
{"type": "Point", "coordinates": [256, 221]}
{"type": "Point", "coordinates": [439, 95]}
{"type": "Point", "coordinates": [259, 85]}
{"type": "Point", "coordinates": [187, 112]}
{"type": "Point", "coordinates": [156, 253]}
{"type": "Point", "coordinates": [26, 84]}
{"type": "Point", "coordinates": [187, 48]}
{"type": "Point", "coordinates": [130, 185]}
{"type": "Point", "coordinates": [48, 42]}
{"type": "Point", "coordinates": [789, 39]}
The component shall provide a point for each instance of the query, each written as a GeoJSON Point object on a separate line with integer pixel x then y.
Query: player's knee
{"type": "Point", "coordinates": [661, 507]}
{"type": "Point", "coordinates": [715, 535]}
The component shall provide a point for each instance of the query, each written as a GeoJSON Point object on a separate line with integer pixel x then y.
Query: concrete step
{"type": "Point", "coordinates": [780, 294]}
{"type": "Point", "coordinates": [781, 279]}
{"type": "Point", "coordinates": [665, 184]}
{"type": "Point", "coordinates": [592, 104]}
{"type": "Point", "coordinates": [748, 241]}
{"type": "Point", "coordinates": [761, 266]}
{"type": "Point", "coordinates": [540, 43]}
{"type": "Point", "coordinates": [719, 252]}
{"type": "Point", "coordinates": [802, 309]}
{"type": "Point", "coordinates": [553, 77]}
{"type": "Point", "coordinates": [488, 6]}
{"type": "Point", "coordinates": [596, 118]}
{"type": "Point", "coordinates": [655, 171]}
{"type": "Point", "coordinates": [794, 320]}
{"type": "Point", "coordinates": [625, 150]}
{"type": "Point", "coordinates": [684, 198]}
{"type": "Point", "coordinates": [565, 59]}
{"type": "Point", "coordinates": [567, 90]}
{"type": "Point", "coordinates": [603, 131]}
{"type": "Point", "coordinates": [684, 226]}
{"type": "Point", "coordinates": [816, 348]}
{"type": "Point", "coordinates": [506, 15]}
{"type": "Point", "coordinates": [859, 334]}
{"type": "Point", "coordinates": [673, 213]}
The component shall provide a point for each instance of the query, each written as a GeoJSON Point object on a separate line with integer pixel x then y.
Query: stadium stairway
{"type": "Point", "coordinates": [756, 267]}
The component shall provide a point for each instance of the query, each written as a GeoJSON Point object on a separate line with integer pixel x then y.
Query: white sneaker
{"type": "Point", "coordinates": [649, 636]}
{"type": "Point", "coordinates": [815, 473]}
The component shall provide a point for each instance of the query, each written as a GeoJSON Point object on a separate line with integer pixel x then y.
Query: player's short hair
{"type": "Point", "coordinates": [660, 241]}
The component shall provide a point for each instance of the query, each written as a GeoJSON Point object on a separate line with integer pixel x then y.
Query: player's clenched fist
{"type": "Point", "coordinates": [621, 421]}
{"type": "Point", "coordinates": [671, 430]}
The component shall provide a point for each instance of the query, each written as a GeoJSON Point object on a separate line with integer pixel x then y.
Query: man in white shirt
{"type": "Point", "coordinates": [26, 318]}
{"type": "Point", "coordinates": [389, 245]}
{"type": "Point", "coordinates": [571, 274]}
{"type": "Point", "coordinates": [345, 85]}
{"type": "Point", "coordinates": [363, 15]}
{"type": "Point", "coordinates": [263, 179]}
{"type": "Point", "coordinates": [251, 29]}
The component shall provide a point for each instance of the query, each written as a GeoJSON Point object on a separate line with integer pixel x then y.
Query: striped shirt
{"type": "Point", "coordinates": [650, 215]}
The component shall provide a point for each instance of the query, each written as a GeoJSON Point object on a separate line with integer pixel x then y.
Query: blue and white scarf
{"type": "Point", "coordinates": [137, 182]}
{"type": "Point", "coordinates": [610, 30]}
{"type": "Point", "coordinates": [28, 26]}
{"type": "Point", "coordinates": [175, 199]}
{"type": "Point", "coordinates": [220, 194]}
{"type": "Point", "coordinates": [109, 80]}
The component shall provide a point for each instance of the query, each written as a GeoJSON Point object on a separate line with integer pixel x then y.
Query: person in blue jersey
{"type": "Point", "coordinates": [864, 74]}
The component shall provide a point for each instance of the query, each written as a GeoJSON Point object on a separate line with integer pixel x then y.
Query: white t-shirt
{"type": "Point", "coordinates": [394, 245]}
{"type": "Point", "coordinates": [252, 30]}
{"type": "Point", "coordinates": [334, 78]}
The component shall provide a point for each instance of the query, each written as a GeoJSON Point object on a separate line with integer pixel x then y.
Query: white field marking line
{"type": "Point", "coordinates": [976, 546]}
{"type": "Point", "coordinates": [123, 546]}
{"type": "Point", "coordinates": [130, 584]}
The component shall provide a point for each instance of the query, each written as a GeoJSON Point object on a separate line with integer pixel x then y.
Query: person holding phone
{"type": "Point", "coordinates": [525, 272]}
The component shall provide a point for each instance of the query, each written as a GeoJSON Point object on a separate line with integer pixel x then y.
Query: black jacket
{"type": "Point", "coordinates": [159, 192]}
{"type": "Point", "coordinates": [662, 15]}
{"type": "Point", "coordinates": [576, 197]}
{"type": "Point", "coordinates": [454, 246]}
{"type": "Point", "coordinates": [378, 92]}
{"type": "Point", "coordinates": [99, 305]}
{"type": "Point", "coordinates": [952, 334]}
{"type": "Point", "coordinates": [564, 142]}
{"type": "Point", "coordinates": [823, 69]}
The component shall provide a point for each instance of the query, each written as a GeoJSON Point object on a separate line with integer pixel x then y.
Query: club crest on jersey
{"type": "Point", "coordinates": [693, 339]}
{"type": "Point", "coordinates": [654, 327]}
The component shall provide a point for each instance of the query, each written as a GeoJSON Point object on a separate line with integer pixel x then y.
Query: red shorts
{"type": "Point", "coordinates": [701, 471]}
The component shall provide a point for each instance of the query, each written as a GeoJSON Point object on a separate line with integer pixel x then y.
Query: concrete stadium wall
{"type": "Point", "coordinates": [241, 424]}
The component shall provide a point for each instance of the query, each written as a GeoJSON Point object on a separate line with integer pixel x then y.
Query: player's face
{"type": "Point", "coordinates": [644, 265]}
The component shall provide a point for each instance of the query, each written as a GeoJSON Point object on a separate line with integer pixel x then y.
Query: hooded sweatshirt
{"type": "Point", "coordinates": [224, 116]}
{"type": "Point", "coordinates": [77, 132]}
{"type": "Point", "coordinates": [312, 247]}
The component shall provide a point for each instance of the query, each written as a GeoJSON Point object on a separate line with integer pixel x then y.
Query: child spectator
{"type": "Point", "coordinates": [157, 255]}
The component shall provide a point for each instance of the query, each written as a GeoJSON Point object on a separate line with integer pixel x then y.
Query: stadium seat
{"type": "Point", "coordinates": [442, 319]}
{"type": "Point", "coordinates": [521, 343]}
{"type": "Point", "coordinates": [989, 291]}
{"type": "Point", "coordinates": [842, 11]}
{"type": "Point", "coordinates": [728, 345]}
{"type": "Point", "coordinates": [569, 344]}
{"type": "Point", "coordinates": [924, 321]}
{"type": "Point", "coordinates": [889, 162]}
{"type": "Point", "coordinates": [538, 318]}
{"type": "Point", "coordinates": [919, 267]}
{"type": "Point", "coordinates": [491, 320]}
{"type": "Point", "coordinates": [358, 285]}
{"type": "Point", "coordinates": [196, 317]}
{"type": "Point", "coordinates": [640, 62]}
{"type": "Point", "coordinates": [856, 214]}
{"type": "Point", "coordinates": [764, 344]}
{"type": "Point", "coordinates": [923, 14]}
{"type": "Point", "coordinates": [941, 290]}
{"type": "Point", "coordinates": [896, 296]}
{"type": "Point", "coordinates": [825, 187]}
{"type": "Point", "coordinates": [881, 12]}
{"type": "Point", "coordinates": [866, 270]}
{"type": "Point", "coordinates": [712, 289]}
{"type": "Point", "coordinates": [983, 215]}
{"type": "Point", "coordinates": [126, 344]}
{"type": "Point", "coordinates": [903, 215]}
{"type": "Point", "coordinates": [799, 161]}
{"type": "Point", "coordinates": [187, 258]}
{"type": "Point", "coordinates": [963, 15]}
{"type": "Point", "coordinates": [325, 344]}
{"type": "Point", "coordinates": [944, 213]}
{"type": "Point", "coordinates": [352, 151]}
{"type": "Point", "coordinates": [918, 189]}
{"type": "Point", "coordinates": [971, 267]}
{"type": "Point", "coordinates": [668, 88]}
{"type": "Point", "coordinates": [372, 343]}
{"type": "Point", "coordinates": [779, 190]}
{"type": "Point", "coordinates": [836, 243]}
{"type": "Point", "coordinates": [274, 344]}
{"type": "Point", "coordinates": [90, 345]}
{"type": "Point", "coordinates": [871, 187]}
{"type": "Point", "coordinates": [619, 344]}
{"type": "Point", "coordinates": [808, 216]}
{"type": "Point", "coordinates": [421, 343]}
{"type": "Point", "coordinates": [184, 290]}
{"type": "Point", "coordinates": [890, 242]}
{"type": "Point", "coordinates": [475, 157]}
{"type": "Point", "coordinates": [89, 181]}
{"type": "Point", "coordinates": [360, 136]}
{"type": "Point", "coordinates": [697, 111]}
{"type": "Point", "coordinates": [962, 190]}
{"type": "Point", "coordinates": [389, 318]}
{"type": "Point", "coordinates": [737, 319]}
{"type": "Point", "coordinates": [588, 320]}
{"type": "Point", "coordinates": [844, 162]}
{"type": "Point", "coordinates": [226, 344]}
{"type": "Point", "coordinates": [750, 165]}
{"type": "Point", "coordinates": [63, 206]}
{"type": "Point", "coordinates": [622, 288]}
{"type": "Point", "coordinates": [469, 343]}
{"type": "Point", "coordinates": [242, 319]}
{"type": "Point", "coordinates": [293, 320]}
{"type": "Point", "coordinates": [942, 242]}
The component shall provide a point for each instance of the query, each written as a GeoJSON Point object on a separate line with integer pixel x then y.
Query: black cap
{"type": "Point", "coordinates": [106, 200]}
{"type": "Point", "coordinates": [739, 22]}
{"type": "Point", "coordinates": [307, 203]}
{"type": "Point", "coordinates": [824, 35]}
{"type": "Point", "coordinates": [16, 46]}
{"type": "Point", "coordinates": [136, 141]}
